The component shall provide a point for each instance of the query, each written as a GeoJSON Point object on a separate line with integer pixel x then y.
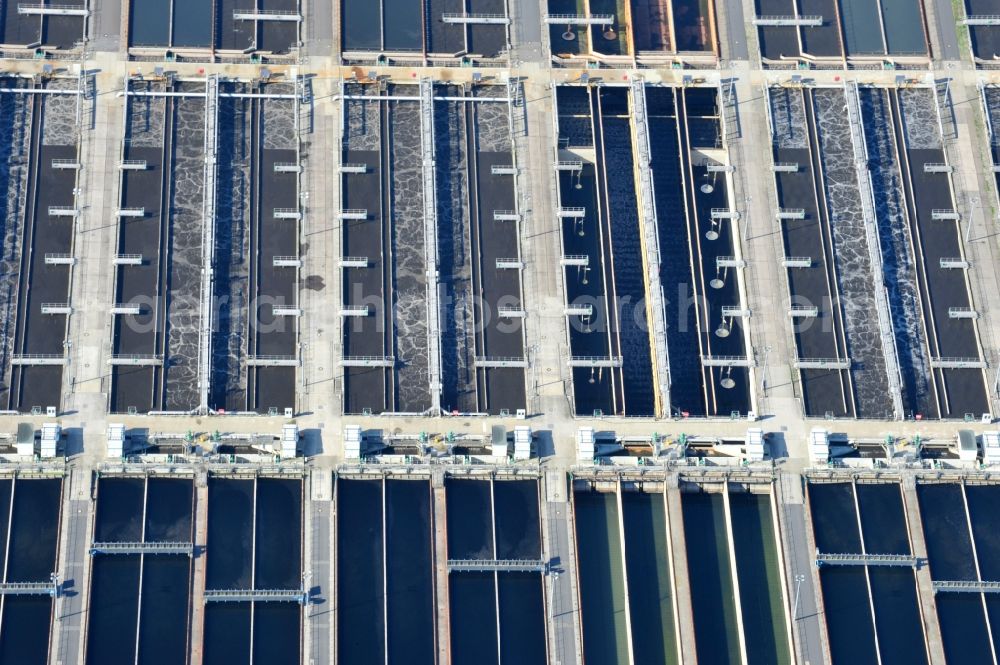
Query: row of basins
{"type": "Point", "coordinates": [212, 24]}
{"type": "Point", "coordinates": [625, 540]}
{"type": "Point", "coordinates": [387, 579]}
{"type": "Point", "coordinates": [164, 238]}
{"type": "Point", "coordinates": [985, 39]}
{"type": "Point", "coordinates": [919, 255]}
{"type": "Point", "coordinates": [638, 26]}
{"type": "Point", "coordinates": [38, 131]}
{"type": "Point", "coordinates": [140, 606]}
{"type": "Point", "coordinates": [850, 28]}
{"type": "Point", "coordinates": [390, 284]}
{"type": "Point", "coordinates": [962, 532]}
{"type": "Point", "coordinates": [394, 26]}
{"type": "Point", "coordinates": [58, 31]}
{"type": "Point", "coordinates": [477, 254]}
{"type": "Point", "coordinates": [697, 252]}
{"type": "Point", "coordinates": [873, 614]}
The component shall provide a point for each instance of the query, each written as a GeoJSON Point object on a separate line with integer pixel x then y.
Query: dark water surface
{"type": "Point", "coordinates": [409, 572]}
{"type": "Point", "coordinates": [602, 588]}
{"type": "Point", "coordinates": [845, 589]}
{"type": "Point", "coordinates": [761, 600]}
{"type": "Point", "coordinates": [517, 526]}
{"type": "Point", "coordinates": [649, 586]}
{"type": "Point", "coordinates": [709, 570]}
{"type": "Point", "coordinates": [33, 540]}
{"type": "Point", "coordinates": [227, 633]}
{"type": "Point", "coordinates": [474, 639]}
{"type": "Point", "coordinates": [521, 605]}
{"type": "Point", "coordinates": [360, 589]}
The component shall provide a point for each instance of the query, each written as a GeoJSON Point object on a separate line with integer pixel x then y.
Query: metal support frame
{"type": "Point", "coordinates": [141, 548]}
{"type": "Point", "coordinates": [838, 559]}
{"type": "Point", "coordinates": [788, 21]}
{"type": "Point", "coordinates": [965, 586]}
{"type": "Point", "coordinates": [797, 262]}
{"type": "Point", "coordinates": [367, 361]}
{"type": "Point", "coordinates": [496, 361]}
{"type": "Point", "coordinates": [867, 193]}
{"type": "Point", "coordinates": [272, 361]}
{"type": "Point", "coordinates": [823, 363]}
{"type": "Point", "coordinates": [595, 361]}
{"type": "Point", "coordinates": [135, 360]}
{"type": "Point", "coordinates": [29, 589]}
{"type": "Point", "coordinates": [256, 595]}
{"type": "Point", "coordinates": [265, 15]}
{"type": "Point", "coordinates": [962, 313]}
{"type": "Point", "coordinates": [40, 9]}
{"type": "Point", "coordinates": [981, 19]}
{"type": "Point", "coordinates": [430, 242]}
{"type": "Point", "coordinates": [727, 361]}
{"type": "Point", "coordinates": [958, 363]}
{"type": "Point", "coordinates": [476, 19]}
{"type": "Point", "coordinates": [579, 19]}
{"type": "Point", "coordinates": [496, 565]}
{"type": "Point", "coordinates": [211, 146]}
{"type": "Point", "coordinates": [27, 359]}
{"type": "Point", "coordinates": [651, 247]}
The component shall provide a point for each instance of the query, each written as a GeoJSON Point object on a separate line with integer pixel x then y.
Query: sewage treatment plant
{"type": "Point", "coordinates": [499, 332]}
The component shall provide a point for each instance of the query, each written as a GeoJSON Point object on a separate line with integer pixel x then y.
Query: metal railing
{"type": "Point", "coordinates": [63, 211]}
{"type": "Point", "coordinates": [367, 361]}
{"type": "Point", "coordinates": [29, 589]}
{"type": "Point", "coordinates": [500, 361]}
{"type": "Point", "coordinates": [726, 361]}
{"type": "Point", "coordinates": [957, 363]}
{"type": "Point", "coordinates": [141, 548]}
{"type": "Point", "coordinates": [37, 359]}
{"type": "Point", "coordinates": [135, 359]}
{"type": "Point", "coordinates": [797, 261]}
{"type": "Point", "coordinates": [211, 145]}
{"type": "Point", "coordinates": [476, 19]}
{"type": "Point", "coordinates": [962, 313]}
{"type": "Point", "coordinates": [496, 565]}
{"type": "Point", "coordinates": [579, 19]}
{"type": "Point", "coordinates": [287, 213]}
{"type": "Point", "coordinates": [965, 586]}
{"type": "Point", "coordinates": [265, 15]}
{"type": "Point", "coordinates": [822, 363]}
{"type": "Point", "coordinates": [571, 212]}
{"type": "Point", "coordinates": [272, 361]}
{"type": "Point", "coordinates": [982, 19]}
{"type": "Point", "coordinates": [840, 559]}
{"type": "Point", "coordinates": [595, 361]}
{"type": "Point", "coordinates": [649, 229]}
{"type": "Point", "coordinates": [430, 241]}
{"type": "Point", "coordinates": [256, 595]}
{"type": "Point", "coordinates": [793, 21]}
{"type": "Point", "coordinates": [51, 10]}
